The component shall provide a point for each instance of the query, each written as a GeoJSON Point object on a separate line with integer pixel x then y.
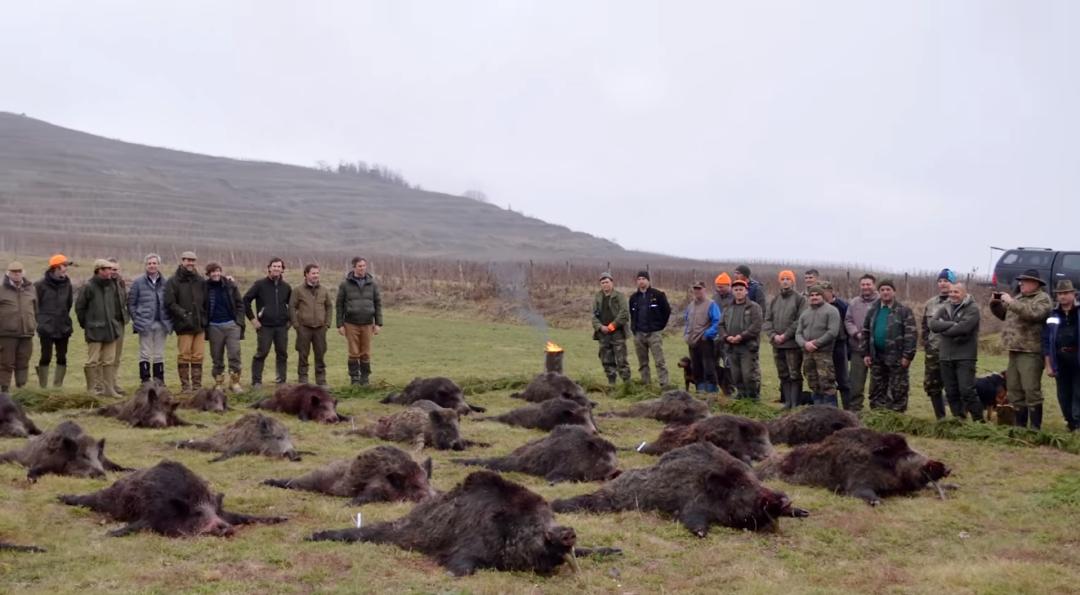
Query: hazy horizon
{"type": "Point", "coordinates": [904, 136]}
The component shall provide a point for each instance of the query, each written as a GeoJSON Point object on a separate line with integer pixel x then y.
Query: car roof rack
{"type": "Point", "coordinates": [1034, 248]}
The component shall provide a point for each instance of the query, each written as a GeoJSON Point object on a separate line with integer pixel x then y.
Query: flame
{"type": "Point", "coordinates": [552, 348]}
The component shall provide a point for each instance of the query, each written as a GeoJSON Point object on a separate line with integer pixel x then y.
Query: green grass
{"type": "Point", "coordinates": [1011, 526]}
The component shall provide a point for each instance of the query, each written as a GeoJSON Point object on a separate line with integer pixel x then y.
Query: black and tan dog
{"type": "Point", "coordinates": [994, 396]}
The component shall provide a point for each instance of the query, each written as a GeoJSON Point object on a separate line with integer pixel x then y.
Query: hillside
{"type": "Point", "coordinates": [86, 188]}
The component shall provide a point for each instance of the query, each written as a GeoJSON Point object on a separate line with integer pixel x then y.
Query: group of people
{"type": "Point", "coordinates": [836, 344]}
{"type": "Point", "coordinates": [200, 307]}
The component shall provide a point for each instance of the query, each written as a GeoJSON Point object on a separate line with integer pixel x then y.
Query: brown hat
{"type": "Point", "coordinates": [189, 255]}
{"type": "Point", "coordinates": [1064, 286]}
{"type": "Point", "coordinates": [699, 285]}
{"type": "Point", "coordinates": [101, 263]}
{"type": "Point", "coordinates": [815, 289]}
{"type": "Point", "coordinates": [1031, 275]}
{"type": "Point", "coordinates": [15, 267]}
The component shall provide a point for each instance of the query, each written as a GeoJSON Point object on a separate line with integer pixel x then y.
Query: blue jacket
{"type": "Point", "coordinates": [714, 321]}
{"type": "Point", "coordinates": [1049, 338]}
{"type": "Point", "coordinates": [146, 304]}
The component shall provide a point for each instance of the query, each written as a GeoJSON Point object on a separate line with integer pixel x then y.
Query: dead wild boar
{"type": "Point", "coordinates": [809, 424]}
{"type": "Point", "coordinates": [568, 453]}
{"type": "Point", "coordinates": [252, 434]}
{"type": "Point", "coordinates": [208, 399]}
{"type": "Point", "coordinates": [743, 438]}
{"type": "Point", "coordinates": [859, 462]}
{"type": "Point", "coordinates": [11, 547]}
{"type": "Point", "coordinates": [700, 485]}
{"type": "Point", "coordinates": [63, 450]}
{"type": "Point", "coordinates": [379, 474]}
{"type": "Point", "coordinates": [548, 414]}
{"type": "Point", "coordinates": [673, 407]}
{"type": "Point", "coordinates": [484, 522]}
{"type": "Point", "coordinates": [152, 406]}
{"type": "Point", "coordinates": [553, 385]}
{"type": "Point", "coordinates": [306, 401]}
{"type": "Point", "coordinates": [13, 420]}
{"type": "Point", "coordinates": [439, 390]}
{"type": "Point", "coordinates": [422, 424]}
{"type": "Point", "coordinates": [168, 499]}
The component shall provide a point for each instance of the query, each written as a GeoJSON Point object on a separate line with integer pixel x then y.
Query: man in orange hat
{"type": "Point", "coordinates": [54, 327]}
{"type": "Point", "coordinates": [781, 321]}
{"type": "Point", "coordinates": [723, 298]}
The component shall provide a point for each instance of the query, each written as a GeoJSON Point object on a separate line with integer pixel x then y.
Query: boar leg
{"type": "Point", "coordinates": [89, 501]}
{"type": "Point", "coordinates": [556, 477]}
{"type": "Point", "coordinates": [342, 418]}
{"type": "Point", "coordinates": [234, 518]}
{"type": "Point", "coordinates": [696, 520]}
{"type": "Point", "coordinates": [31, 428]}
{"type": "Point", "coordinates": [348, 535]}
{"type": "Point", "coordinates": [582, 552]}
{"type": "Point", "coordinates": [111, 466]}
{"type": "Point", "coordinates": [228, 455]}
{"type": "Point", "coordinates": [478, 409]}
{"type": "Point", "coordinates": [279, 483]}
{"type": "Point", "coordinates": [129, 529]}
{"type": "Point", "coordinates": [35, 472]}
{"type": "Point", "coordinates": [868, 495]}
{"type": "Point", "coordinates": [368, 497]}
{"type": "Point", "coordinates": [194, 445]}
{"type": "Point", "coordinates": [460, 564]}
{"type": "Point", "coordinates": [21, 548]}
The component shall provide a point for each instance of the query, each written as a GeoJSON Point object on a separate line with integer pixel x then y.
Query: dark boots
{"type": "Point", "coordinates": [144, 372]}
{"type": "Point", "coordinates": [196, 377]}
{"type": "Point", "coordinates": [1036, 417]}
{"type": "Point", "coordinates": [158, 372]}
{"type": "Point", "coordinates": [354, 372]}
{"type": "Point", "coordinates": [938, 403]}
{"type": "Point", "coordinates": [184, 370]}
{"type": "Point", "coordinates": [1021, 417]}
{"type": "Point", "coordinates": [365, 373]}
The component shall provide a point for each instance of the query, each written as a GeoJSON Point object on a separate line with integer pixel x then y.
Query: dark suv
{"type": "Point", "coordinates": [1053, 266]}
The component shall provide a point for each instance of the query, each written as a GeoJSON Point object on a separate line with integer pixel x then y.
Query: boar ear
{"type": "Point", "coordinates": [427, 468]}
{"type": "Point", "coordinates": [70, 446]}
{"type": "Point", "coordinates": [180, 507]}
{"type": "Point", "coordinates": [892, 445]}
{"type": "Point", "coordinates": [152, 395]}
{"type": "Point", "coordinates": [315, 400]}
{"type": "Point", "coordinates": [264, 425]}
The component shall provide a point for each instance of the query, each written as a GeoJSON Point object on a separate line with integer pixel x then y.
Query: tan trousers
{"type": "Point", "coordinates": [100, 355]}
{"type": "Point", "coordinates": [191, 348]}
{"type": "Point", "coordinates": [358, 336]}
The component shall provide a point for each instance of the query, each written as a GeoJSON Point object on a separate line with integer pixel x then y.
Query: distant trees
{"type": "Point", "coordinates": [382, 173]}
{"type": "Point", "coordinates": [476, 195]}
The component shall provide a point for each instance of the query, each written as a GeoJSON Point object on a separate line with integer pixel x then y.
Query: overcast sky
{"type": "Point", "coordinates": [909, 135]}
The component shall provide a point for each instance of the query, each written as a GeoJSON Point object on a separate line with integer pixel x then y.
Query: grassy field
{"type": "Point", "coordinates": [1011, 527]}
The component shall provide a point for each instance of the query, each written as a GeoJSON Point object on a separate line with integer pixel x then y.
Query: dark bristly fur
{"type": "Point", "coordinates": [673, 407]}
{"type": "Point", "coordinates": [306, 401]}
{"type": "Point", "coordinates": [743, 438]}
{"type": "Point", "coordinates": [168, 499]}
{"type": "Point", "coordinates": [152, 406]}
{"type": "Point", "coordinates": [379, 474]}
{"type": "Point", "coordinates": [553, 385]}
{"type": "Point", "coordinates": [484, 522]}
{"type": "Point", "coordinates": [700, 485]}
{"type": "Point", "coordinates": [13, 420]}
{"type": "Point", "coordinates": [439, 390]}
{"type": "Point", "coordinates": [568, 453]}
{"type": "Point", "coordinates": [810, 424]}
{"type": "Point", "coordinates": [859, 462]}
{"type": "Point", "coordinates": [252, 434]}
{"type": "Point", "coordinates": [422, 424]}
{"type": "Point", "coordinates": [548, 414]}
{"type": "Point", "coordinates": [63, 450]}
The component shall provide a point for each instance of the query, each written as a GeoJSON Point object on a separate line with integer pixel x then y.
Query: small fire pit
{"type": "Point", "coordinates": [553, 356]}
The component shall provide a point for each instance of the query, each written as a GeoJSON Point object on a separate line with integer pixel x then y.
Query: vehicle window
{"type": "Point", "coordinates": [1010, 258]}
{"type": "Point", "coordinates": [1037, 259]}
{"type": "Point", "coordinates": [1070, 262]}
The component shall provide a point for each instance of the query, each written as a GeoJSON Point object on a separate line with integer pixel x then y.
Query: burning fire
{"type": "Point", "coordinates": [552, 348]}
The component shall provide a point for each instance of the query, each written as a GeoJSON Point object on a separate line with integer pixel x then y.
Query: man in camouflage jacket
{"type": "Point", "coordinates": [889, 339]}
{"type": "Point", "coordinates": [611, 326]}
{"type": "Point", "coordinates": [932, 380]}
{"type": "Point", "coordinates": [1024, 316]}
